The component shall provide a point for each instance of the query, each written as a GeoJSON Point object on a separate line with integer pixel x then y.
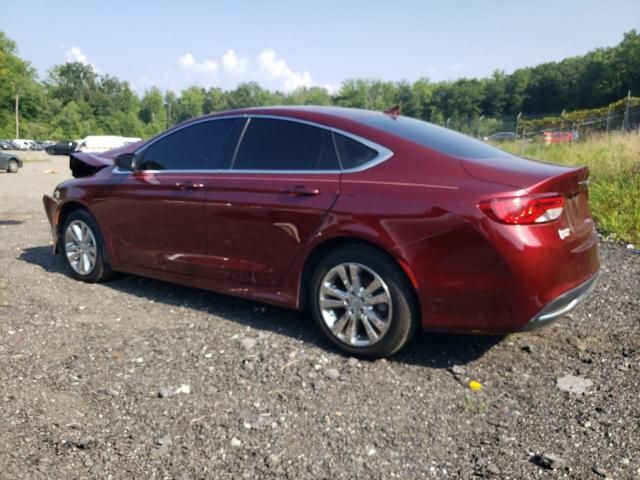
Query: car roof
{"type": "Point", "coordinates": [350, 120]}
{"type": "Point", "coordinates": [321, 114]}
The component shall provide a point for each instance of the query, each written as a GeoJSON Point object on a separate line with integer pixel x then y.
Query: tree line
{"type": "Point", "coordinates": [74, 100]}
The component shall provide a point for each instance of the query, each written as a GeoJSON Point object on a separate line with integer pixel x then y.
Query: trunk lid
{"type": "Point", "coordinates": [540, 178]}
{"type": "Point", "coordinates": [574, 185]}
{"type": "Point", "coordinates": [512, 171]}
{"type": "Point", "coordinates": [83, 164]}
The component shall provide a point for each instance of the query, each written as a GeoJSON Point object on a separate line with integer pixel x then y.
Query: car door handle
{"type": "Point", "coordinates": [189, 186]}
{"type": "Point", "coordinates": [301, 190]}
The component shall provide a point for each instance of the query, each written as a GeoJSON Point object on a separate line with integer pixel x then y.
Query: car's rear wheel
{"type": "Point", "coordinates": [363, 302]}
{"type": "Point", "coordinates": [12, 166]}
{"type": "Point", "coordinates": [83, 248]}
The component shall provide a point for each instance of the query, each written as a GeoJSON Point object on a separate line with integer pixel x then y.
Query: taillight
{"type": "Point", "coordinates": [524, 210]}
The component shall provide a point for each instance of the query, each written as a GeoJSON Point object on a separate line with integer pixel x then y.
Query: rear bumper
{"type": "Point", "coordinates": [563, 304]}
{"type": "Point", "coordinates": [51, 209]}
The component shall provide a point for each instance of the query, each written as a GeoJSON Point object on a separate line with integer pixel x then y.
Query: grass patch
{"type": "Point", "coordinates": [614, 163]}
{"type": "Point", "coordinates": [475, 404]}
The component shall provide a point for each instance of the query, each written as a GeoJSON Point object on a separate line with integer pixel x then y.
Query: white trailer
{"type": "Point", "coordinates": [102, 143]}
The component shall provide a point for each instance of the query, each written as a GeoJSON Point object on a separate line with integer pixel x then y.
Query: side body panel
{"type": "Point", "coordinates": [421, 209]}
{"type": "Point", "coordinates": [154, 220]}
{"type": "Point", "coordinates": [256, 224]}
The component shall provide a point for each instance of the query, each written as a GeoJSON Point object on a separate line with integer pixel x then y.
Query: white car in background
{"type": "Point", "coordinates": [102, 143]}
{"type": "Point", "coordinates": [22, 144]}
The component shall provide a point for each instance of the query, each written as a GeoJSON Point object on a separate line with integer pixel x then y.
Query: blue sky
{"type": "Point", "coordinates": [285, 44]}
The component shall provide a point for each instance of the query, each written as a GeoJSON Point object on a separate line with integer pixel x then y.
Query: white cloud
{"type": "Point", "coordinates": [74, 54]}
{"type": "Point", "coordinates": [188, 62]}
{"type": "Point", "coordinates": [232, 64]}
{"type": "Point", "coordinates": [227, 71]}
{"type": "Point", "coordinates": [277, 68]}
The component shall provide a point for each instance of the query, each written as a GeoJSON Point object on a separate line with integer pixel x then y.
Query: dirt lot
{"type": "Point", "coordinates": [140, 379]}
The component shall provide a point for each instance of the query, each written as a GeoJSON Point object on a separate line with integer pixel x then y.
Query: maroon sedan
{"type": "Point", "coordinates": [377, 222]}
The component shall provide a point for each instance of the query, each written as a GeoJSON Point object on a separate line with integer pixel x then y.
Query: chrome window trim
{"type": "Point", "coordinates": [226, 171]}
{"type": "Point", "coordinates": [240, 138]}
{"type": "Point", "coordinates": [384, 153]}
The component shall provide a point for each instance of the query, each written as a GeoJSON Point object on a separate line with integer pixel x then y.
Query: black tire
{"type": "Point", "coordinates": [101, 270]}
{"type": "Point", "coordinates": [13, 166]}
{"type": "Point", "coordinates": [403, 318]}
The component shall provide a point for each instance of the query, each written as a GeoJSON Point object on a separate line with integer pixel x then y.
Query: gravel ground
{"type": "Point", "coordinates": [137, 378]}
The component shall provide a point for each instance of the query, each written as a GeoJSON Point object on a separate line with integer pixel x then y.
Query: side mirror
{"type": "Point", "coordinates": [126, 161]}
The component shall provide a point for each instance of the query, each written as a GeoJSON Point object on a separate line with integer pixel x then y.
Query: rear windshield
{"type": "Point", "coordinates": [436, 138]}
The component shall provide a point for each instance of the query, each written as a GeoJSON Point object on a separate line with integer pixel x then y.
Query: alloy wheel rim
{"type": "Point", "coordinates": [355, 304]}
{"type": "Point", "coordinates": [80, 247]}
{"type": "Point", "coordinates": [13, 166]}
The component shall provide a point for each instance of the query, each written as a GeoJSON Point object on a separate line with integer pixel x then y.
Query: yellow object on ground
{"type": "Point", "coordinates": [475, 385]}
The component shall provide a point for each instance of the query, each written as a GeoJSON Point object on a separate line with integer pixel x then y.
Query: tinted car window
{"type": "Point", "coordinates": [352, 153]}
{"type": "Point", "coordinates": [436, 138]}
{"type": "Point", "coordinates": [199, 146]}
{"type": "Point", "coordinates": [271, 144]}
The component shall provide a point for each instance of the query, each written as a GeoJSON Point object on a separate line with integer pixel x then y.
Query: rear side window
{"type": "Point", "coordinates": [202, 146]}
{"type": "Point", "coordinates": [436, 138]}
{"type": "Point", "coordinates": [272, 144]}
{"type": "Point", "coordinates": [353, 154]}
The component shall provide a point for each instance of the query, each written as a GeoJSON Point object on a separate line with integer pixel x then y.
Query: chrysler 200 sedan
{"type": "Point", "coordinates": [378, 223]}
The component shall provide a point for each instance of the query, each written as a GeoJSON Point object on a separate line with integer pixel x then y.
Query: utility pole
{"type": "Point", "coordinates": [518, 123]}
{"type": "Point", "coordinates": [608, 118]}
{"type": "Point", "coordinates": [17, 116]}
{"type": "Point", "coordinates": [524, 132]}
{"type": "Point", "coordinates": [626, 124]}
{"type": "Point", "coordinates": [478, 130]}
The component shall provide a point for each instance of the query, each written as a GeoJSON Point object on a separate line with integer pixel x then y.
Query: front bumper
{"type": "Point", "coordinates": [53, 214]}
{"type": "Point", "coordinates": [563, 304]}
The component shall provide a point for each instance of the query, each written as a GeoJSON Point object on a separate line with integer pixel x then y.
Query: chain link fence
{"type": "Point", "coordinates": [624, 116]}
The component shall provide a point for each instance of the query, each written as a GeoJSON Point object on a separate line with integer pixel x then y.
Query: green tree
{"type": "Point", "coordinates": [247, 95]}
{"type": "Point", "coordinates": [215, 100]}
{"type": "Point", "coordinates": [67, 124]}
{"type": "Point", "coordinates": [352, 93]}
{"type": "Point", "coordinates": [189, 105]}
{"type": "Point", "coordinates": [72, 81]}
{"type": "Point", "coordinates": [152, 112]}
{"type": "Point", "coordinates": [309, 96]}
{"type": "Point", "coordinates": [17, 78]}
{"type": "Point", "coordinates": [421, 100]}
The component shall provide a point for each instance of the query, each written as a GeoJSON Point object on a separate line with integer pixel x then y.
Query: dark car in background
{"type": "Point", "coordinates": [378, 223]}
{"type": "Point", "coordinates": [501, 137]}
{"type": "Point", "coordinates": [6, 145]}
{"type": "Point", "coordinates": [9, 163]}
{"type": "Point", "coordinates": [62, 148]}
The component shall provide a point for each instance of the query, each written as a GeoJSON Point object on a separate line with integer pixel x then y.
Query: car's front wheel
{"type": "Point", "coordinates": [83, 248]}
{"type": "Point", "coordinates": [363, 302]}
{"type": "Point", "coordinates": [12, 166]}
